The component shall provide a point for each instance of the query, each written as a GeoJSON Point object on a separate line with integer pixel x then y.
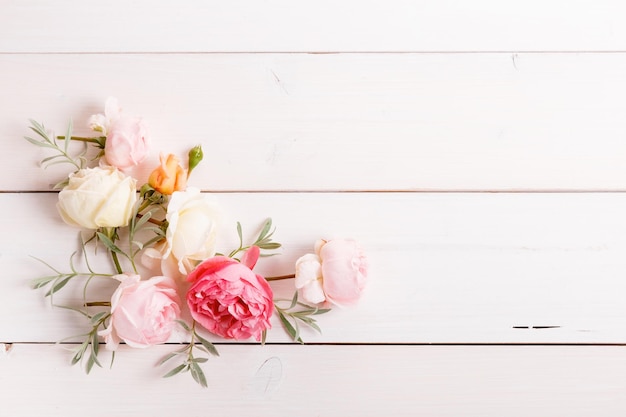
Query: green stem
{"type": "Point", "coordinates": [279, 277]}
{"type": "Point", "coordinates": [116, 261]}
{"type": "Point", "coordinates": [81, 139]}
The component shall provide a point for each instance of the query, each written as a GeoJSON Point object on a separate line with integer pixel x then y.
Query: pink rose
{"type": "Point", "coordinates": [230, 300]}
{"type": "Point", "coordinates": [127, 142]}
{"type": "Point", "coordinates": [337, 272]}
{"type": "Point", "coordinates": [143, 313]}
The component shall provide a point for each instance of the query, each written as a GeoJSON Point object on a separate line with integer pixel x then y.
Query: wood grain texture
{"type": "Point", "coordinates": [326, 380]}
{"type": "Point", "coordinates": [352, 119]}
{"type": "Point", "coordinates": [320, 26]}
{"type": "Point", "coordinates": [271, 122]}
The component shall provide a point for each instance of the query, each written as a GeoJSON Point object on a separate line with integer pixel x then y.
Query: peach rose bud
{"type": "Point", "coordinates": [169, 176]}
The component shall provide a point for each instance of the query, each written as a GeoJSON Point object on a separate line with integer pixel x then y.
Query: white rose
{"type": "Point", "coordinates": [191, 233]}
{"type": "Point", "coordinates": [98, 197]}
{"type": "Point", "coordinates": [309, 278]}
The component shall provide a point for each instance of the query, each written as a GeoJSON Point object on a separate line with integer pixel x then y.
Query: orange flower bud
{"type": "Point", "coordinates": [169, 176]}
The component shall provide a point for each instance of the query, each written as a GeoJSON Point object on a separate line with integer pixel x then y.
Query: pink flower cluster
{"type": "Point", "coordinates": [222, 294]}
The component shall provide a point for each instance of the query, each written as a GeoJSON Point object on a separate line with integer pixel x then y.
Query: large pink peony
{"type": "Point", "coordinates": [230, 300]}
{"type": "Point", "coordinates": [143, 313]}
{"type": "Point", "coordinates": [337, 272]}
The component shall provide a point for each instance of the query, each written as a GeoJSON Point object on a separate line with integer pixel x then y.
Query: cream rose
{"type": "Point", "coordinates": [191, 233]}
{"type": "Point", "coordinates": [98, 197]}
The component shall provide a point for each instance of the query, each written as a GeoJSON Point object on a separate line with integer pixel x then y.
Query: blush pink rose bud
{"type": "Point", "coordinates": [127, 142]}
{"type": "Point", "coordinates": [143, 313]}
{"type": "Point", "coordinates": [230, 300]}
{"type": "Point", "coordinates": [337, 272]}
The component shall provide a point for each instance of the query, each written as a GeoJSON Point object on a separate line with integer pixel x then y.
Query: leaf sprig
{"type": "Point", "coordinates": [90, 348]}
{"type": "Point", "coordinates": [291, 319]}
{"type": "Point", "coordinates": [191, 363]}
{"type": "Point", "coordinates": [60, 279]}
{"type": "Point", "coordinates": [78, 161]}
{"type": "Point", "coordinates": [263, 241]}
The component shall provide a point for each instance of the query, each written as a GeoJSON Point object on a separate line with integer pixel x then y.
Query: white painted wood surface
{"type": "Point", "coordinates": [420, 102]}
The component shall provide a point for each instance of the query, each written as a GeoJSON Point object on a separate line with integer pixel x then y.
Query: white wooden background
{"type": "Point", "coordinates": [476, 149]}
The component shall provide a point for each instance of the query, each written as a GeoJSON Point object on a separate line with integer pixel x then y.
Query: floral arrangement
{"type": "Point", "coordinates": [161, 237]}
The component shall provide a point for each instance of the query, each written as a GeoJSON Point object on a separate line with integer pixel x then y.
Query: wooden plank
{"type": "Point", "coordinates": [341, 122]}
{"type": "Point", "coordinates": [446, 268]}
{"type": "Point", "coordinates": [322, 26]}
{"type": "Point", "coordinates": [325, 380]}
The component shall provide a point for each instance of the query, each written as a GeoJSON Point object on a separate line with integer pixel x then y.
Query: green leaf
{"type": "Point", "coordinates": [38, 128]}
{"type": "Point", "coordinates": [51, 158]}
{"type": "Point", "coordinates": [109, 243]}
{"type": "Point", "coordinates": [95, 346]}
{"type": "Point", "coordinates": [60, 283]}
{"type": "Point", "coordinates": [269, 246]}
{"type": "Point", "coordinates": [80, 351]}
{"type": "Point", "coordinates": [175, 371]}
{"type": "Point", "coordinates": [208, 345]}
{"type": "Point", "coordinates": [183, 325]}
{"type": "Point", "coordinates": [96, 318]}
{"type": "Point", "coordinates": [200, 360]}
{"type": "Point", "coordinates": [265, 230]}
{"type": "Point", "coordinates": [310, 322]}
{"type": "Point", "coordinates": [144, 218]}
{"type": "Point", "coordinates": [198, 374]}
{"type": "Point", "coordinates": [240, 234]}
{"type": "Point", "coordinates": [43, 281]}
{"type": "Point", "coordinates": [167, 358]}
{"type": "Point", "coordinates": [294, 300]}
{"type": "Point", "coordinates": [289, 328]}
{"type": "Point", "coordinates": [90, 363]}
{"type": "Point", "coordinates": [39, 143]}
{"type": "Point", "coordinates": [68, 136]}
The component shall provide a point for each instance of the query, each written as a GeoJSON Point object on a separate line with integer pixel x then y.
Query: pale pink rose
{"type": "Point", "coordinates": [337, 272]}
{"type": "Point", "coordinates": [143, 313]}
{"type": "Point", "coordinates": [127, 143]}
{"type": "Point", "coordinates": [230, 300]}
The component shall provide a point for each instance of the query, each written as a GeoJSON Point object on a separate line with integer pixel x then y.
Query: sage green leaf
{"type": "Point", "coordinates": [175, 371]}
{"type": "Point", "coordinates": [269, 246]}
{"type": "Point", "coordinates": [39, 143]}
{"type": "Point", "coordinates": [289, 328]}
{"type": "Point", "coordinates": [58, 285]}
{"type": "Point", "coordinates": [109, 243]}
{"type": "Point", "coordinates": [167, 358]}
{"type": "Point", "coordinates": [208, 345]}
{"type": "Point", "coordinates": [240, 234]}
{"type": "Point", "coordinates": [96, 318]}
{"type": "Point", "coordinates": [198, 374]}
{"type": "Point", "coordinates": [43, 281]}
{"type": "Point", "coordinates": [183, 325]}
{"type": "Point", "coordinates": [68, 136]}
{"type": "Point", "coordinates": [90, 363]}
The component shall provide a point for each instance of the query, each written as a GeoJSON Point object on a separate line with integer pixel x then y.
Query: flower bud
{"type": "Point", "coordinates": [169, 176]}
{"type": "Point", "coordinates": [195, 156]}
